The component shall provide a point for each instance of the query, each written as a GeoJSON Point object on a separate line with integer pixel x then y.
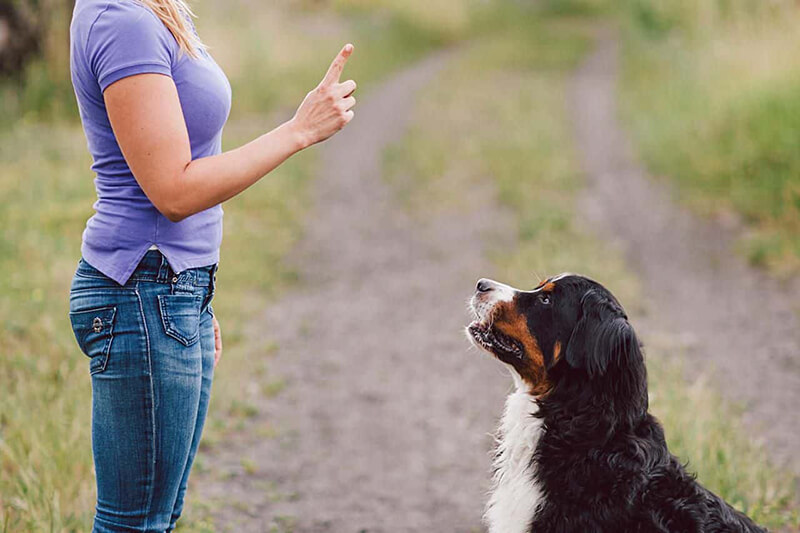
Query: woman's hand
{"type": "Point", "coordinates": [329, 107]}
{"type": "Point", "coordinates": [217, 342]}
{"type": "Point", "coordinates": [146, 115]}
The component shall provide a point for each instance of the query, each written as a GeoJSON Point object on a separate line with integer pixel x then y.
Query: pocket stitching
{"type": "Point", "coordinates": [104, 353]}
{"type": "Point", "coordinates": [171, 331]}
{"type": "Point", "coordinates": [104, 290]}
{"type": "Point", "coordinates": [90, 276]}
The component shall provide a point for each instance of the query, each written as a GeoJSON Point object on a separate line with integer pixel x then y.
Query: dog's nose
{"type": "Point", "coordinates": [484, 285]}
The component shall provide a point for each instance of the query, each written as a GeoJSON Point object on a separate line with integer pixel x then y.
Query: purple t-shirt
{"type": "Point", "coordinates": [112, 39]}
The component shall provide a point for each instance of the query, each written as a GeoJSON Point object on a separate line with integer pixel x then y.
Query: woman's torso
{"type": "Point", "coordinates": [112, 39]}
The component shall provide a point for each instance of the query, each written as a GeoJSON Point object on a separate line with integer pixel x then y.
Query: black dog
{"type": "Point", "coordinates": [577, 450]}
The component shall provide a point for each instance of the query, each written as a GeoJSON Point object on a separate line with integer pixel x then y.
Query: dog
{"type": "Point", "coordinates": [577, 450]}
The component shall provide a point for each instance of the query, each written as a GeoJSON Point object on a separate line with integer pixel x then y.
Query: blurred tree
{"type": "Point", "coordinates": [25, 26]}
{"type": "Point", "coordinates": [18, 37]}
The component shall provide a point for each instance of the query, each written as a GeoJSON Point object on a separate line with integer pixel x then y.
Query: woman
{"type": "Point", "coordinates": [153, 104]}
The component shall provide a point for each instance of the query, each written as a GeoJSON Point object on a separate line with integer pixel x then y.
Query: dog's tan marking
{"type": "Point", "coordinates": [556, 352]}
{"type": "Point", "coordinates": [510, 322]}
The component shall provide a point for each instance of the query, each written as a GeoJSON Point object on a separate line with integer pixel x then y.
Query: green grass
{"type": "Point", "coordinates": [711, 100]}
{"type": "Point", "coordinates": [509, 129]}
{"type": "Point", "coordinates": [44, 439]}
{"type": "Point", "coordinates": [274, 54]}
{"type": "Point", "coordinates": [711, 439]}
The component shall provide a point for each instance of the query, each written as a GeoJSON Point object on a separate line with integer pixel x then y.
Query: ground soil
{"type": "Point", "coordinates": [385, 421]}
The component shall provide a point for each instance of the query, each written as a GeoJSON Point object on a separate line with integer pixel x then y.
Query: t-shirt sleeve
{"type": "Point", "coordinates": [127, 39]}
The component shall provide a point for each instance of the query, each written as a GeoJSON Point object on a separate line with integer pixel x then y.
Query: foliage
{"type": "Point", "coordinates": [718, 113]}
{"type": "Point", "coordinates": [657, 18]}
{"type": "Point", "coordinates": [36, 54]}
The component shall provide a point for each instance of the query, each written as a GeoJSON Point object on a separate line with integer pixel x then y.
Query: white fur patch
{"type": "Point", "coordinates": [515, 495]}
{"type": "Point", "coordinates": [503, 292]}
{"type": "Point", "coordinates": [483, 303]}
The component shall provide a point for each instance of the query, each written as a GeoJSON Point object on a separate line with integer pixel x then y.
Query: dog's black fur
{"type": "Point", "coordinates": [602, 462]}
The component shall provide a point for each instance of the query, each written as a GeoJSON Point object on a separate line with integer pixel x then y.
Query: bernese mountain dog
{"type": "Point", "coordinates": [577, 450]}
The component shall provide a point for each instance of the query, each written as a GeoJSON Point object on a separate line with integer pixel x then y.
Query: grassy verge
{"type": "Point", "coordinates": [710, 95]}
{"type": "Point", "coordinates": [273, 53]}
{"type": "Point", "coordinates": [509, 127]}
{"type": "Point", "coordinates": [45, 197]}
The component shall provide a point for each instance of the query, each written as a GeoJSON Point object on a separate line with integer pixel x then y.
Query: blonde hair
{"type": "Point", "coordinates": [175, 14]}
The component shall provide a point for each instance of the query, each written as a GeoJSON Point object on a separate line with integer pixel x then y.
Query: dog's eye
{"type": "Point", "coordinates": [545, 299]}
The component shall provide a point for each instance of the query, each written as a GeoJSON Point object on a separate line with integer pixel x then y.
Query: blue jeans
{"type": "Point", "coordinates": [151, 357]}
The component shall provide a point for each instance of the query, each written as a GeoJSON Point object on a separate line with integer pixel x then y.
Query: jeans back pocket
{"type": "Point", "coordinates": [180, 314]}
{"type": "Point", "coordinates": [94, 331]}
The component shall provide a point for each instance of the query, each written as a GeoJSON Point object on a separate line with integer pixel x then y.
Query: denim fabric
{"type": "Point", "coordinates": [150, 345]}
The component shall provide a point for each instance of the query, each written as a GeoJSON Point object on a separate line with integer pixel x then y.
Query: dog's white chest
{"type": "Point", "coordinates": [515, 495]}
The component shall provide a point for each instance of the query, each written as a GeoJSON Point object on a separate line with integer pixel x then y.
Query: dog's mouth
{"type": "Point", "coordinates": [495, 342]}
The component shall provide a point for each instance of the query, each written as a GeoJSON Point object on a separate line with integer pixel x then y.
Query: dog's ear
{"type": "Point", "coordinates": [602, 337]}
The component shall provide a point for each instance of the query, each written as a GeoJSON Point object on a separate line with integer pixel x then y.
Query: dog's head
{"type": "Point", "coordinates": [568, 327]}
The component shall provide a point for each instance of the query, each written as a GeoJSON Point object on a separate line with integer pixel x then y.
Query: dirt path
{"type": "Point", "coordinates": [384, 423]}
{"type": "Point", "coordinates": [728, 317]}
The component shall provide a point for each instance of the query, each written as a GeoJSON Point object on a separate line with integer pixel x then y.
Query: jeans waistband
{"type": "Point", "coordinates": [155, 267]}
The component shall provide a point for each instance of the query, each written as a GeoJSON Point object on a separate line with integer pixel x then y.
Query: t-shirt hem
{"type": "Point", "coordinates": [122, 276]}
{"type": "Point", "coordinates": [194, 262]}
{"type": "Point", "coordinates": [132, 70]}
{"type": "Point", "coordinates": [109, 269]}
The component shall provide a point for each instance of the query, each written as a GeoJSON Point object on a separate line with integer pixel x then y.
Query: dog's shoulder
{"type": "Point", "coordinates": [632, 483]}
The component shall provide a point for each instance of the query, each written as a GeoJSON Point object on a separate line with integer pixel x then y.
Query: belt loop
{"type": "Point", "coordinates": [163, 270]}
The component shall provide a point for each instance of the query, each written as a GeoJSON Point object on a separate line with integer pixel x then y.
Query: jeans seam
{"type": "Point", "coordinates": [151, 409]}
{"type": "Point", "coordinates": [103, 289]}
{"type": "Point", "coordinates": [90, 276]}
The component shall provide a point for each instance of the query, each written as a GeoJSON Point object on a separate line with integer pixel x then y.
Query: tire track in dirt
{"type": "Point", "coordinates": [384, 423]}
{"type": "Point", "coordinates": [728, 317]}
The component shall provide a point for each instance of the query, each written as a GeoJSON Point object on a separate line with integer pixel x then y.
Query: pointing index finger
{"type": "Point", "coordinates": [336, 68]}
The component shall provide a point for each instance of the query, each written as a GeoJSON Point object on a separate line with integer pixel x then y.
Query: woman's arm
{"type": "Point", "coordinates": [148, 122]}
